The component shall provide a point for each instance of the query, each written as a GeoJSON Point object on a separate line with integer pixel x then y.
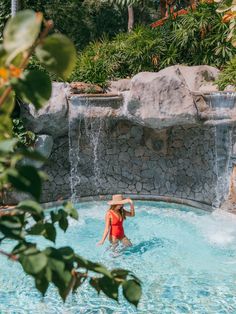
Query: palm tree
{"type": "Point", "coordinates": [130, 4]}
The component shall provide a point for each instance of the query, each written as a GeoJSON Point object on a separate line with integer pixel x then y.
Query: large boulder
{"type": "Point", "coordinates": [52, 119]}
{"type": "Point", "coordinates": [164, 99]}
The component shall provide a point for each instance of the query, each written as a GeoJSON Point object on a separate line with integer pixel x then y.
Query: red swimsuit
{"type": "Point", "coordinates": [117, 229]}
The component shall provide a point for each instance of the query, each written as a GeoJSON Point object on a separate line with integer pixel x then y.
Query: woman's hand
{"type": "Point", "coordinates": [130, 201]}
{"type": "Point", "coordinates": [100, 242]}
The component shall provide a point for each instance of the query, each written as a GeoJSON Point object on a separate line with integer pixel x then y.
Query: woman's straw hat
{"type": "Point", "coordinates": [118, 199]}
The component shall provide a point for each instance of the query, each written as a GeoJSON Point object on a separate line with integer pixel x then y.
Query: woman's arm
{"type": "Point", "coordinates": [132, 211]}
{"type": "Point", "coordinates": [106, 230]}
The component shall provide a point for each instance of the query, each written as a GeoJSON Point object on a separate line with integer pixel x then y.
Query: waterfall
{"type": "Point", "coordinates": [84, 116]}
{"type": "Point", "coordinates": [93, 128]}
{"type": "Point", "coordinates": [74, 149]}
{"type": "Point", "coordinates": [126, 98]}
{"type": "Point", "coordinates": [221, 102]}
{"type": "Point", "coordinates": [223, 144]}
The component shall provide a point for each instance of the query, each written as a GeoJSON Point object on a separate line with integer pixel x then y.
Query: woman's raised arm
{"type": "Point", "coordinates": [130, 213]}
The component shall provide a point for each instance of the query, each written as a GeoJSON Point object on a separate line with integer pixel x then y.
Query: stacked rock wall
{"type": "Point", "coordinates": [155, 135]}
{"type": "Point", "coordinates": [109, 157]}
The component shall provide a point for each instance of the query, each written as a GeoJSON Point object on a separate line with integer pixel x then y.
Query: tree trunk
{"type": "Point", "coordinates": [15, 6]}
{"type": "Point", "coordinates": [130, 18]}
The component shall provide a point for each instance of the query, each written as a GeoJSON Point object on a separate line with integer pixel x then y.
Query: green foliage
{"type": "Point", "coordinates": [59, 266]}
{"type": "Point", "coordinates": [5, 11]}
{"type": "Point", "coordinates": [196, 38]}
{"type": "Point", "coordinates": [82, 21]}
{"type": "Point", "coordinates": [33, 86]}
{"type": "Point", "coordinates": [228, 7]}
{"type": "Point", "coordinates": [57, 54]}
{"type": "Point", "coordinates": [26, 138]}
{"type": "Point", "coordinates": [95, 65]}
{"type": "Point", "coordinates": [228, 75]}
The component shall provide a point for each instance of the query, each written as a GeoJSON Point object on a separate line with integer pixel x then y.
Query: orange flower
{"type": "Point", "coordinates": [14, 71]}
{"type": "Point", "coordinates": [228, 16]}
{"type": "Point", "coordinates": [4, 73]}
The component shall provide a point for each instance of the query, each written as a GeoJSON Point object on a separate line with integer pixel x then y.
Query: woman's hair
{"type": "Point", "coordinates": [121, 210]}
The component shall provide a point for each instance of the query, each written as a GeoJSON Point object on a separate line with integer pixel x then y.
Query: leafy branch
{"type": "Point", "coordinates": [59, 266]}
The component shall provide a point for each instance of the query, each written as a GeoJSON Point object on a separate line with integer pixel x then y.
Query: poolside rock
{"type": "Point", "coordinates": [120, 85]}
{"type": "Point", "coordinates": [43, 145]}
{"type": "Point", "coordinates": [85, 88]}
{"type": "Point", "coordinates": [52, 119]}
{"type": "Point", "coordinates": [164, 99]}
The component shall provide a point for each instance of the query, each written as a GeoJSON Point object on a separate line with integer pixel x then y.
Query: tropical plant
{"type": "Point", "coordinates": [5, 12]}
{"type": "Point", "coordinates": [25, 137]}
{"type": "Point", "coordinates": [228, 7]}
{"type": "Point", "coordinates": [82, 21]}
{"type": "Point", "coordinates": [228, 75]}
{"type": "Point", "coordinates": [196, 38]}
{"type": "Point", "coordinates": [25, 34]}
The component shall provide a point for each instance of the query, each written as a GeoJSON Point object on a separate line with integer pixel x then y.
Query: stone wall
{"type": "Point", "coordinates": [158, 135]}
{"type": "Point", "coordinates": [109, 157]}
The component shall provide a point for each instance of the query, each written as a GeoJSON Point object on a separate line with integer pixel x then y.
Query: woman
{"type": "Point", "coordinates": [114, 220]}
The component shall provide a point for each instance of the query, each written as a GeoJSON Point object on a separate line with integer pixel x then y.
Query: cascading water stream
{"type": "Point", "coordinates": [220, 103]}
{"type": "Point", "coordinates": [93, 129]}
{"type": "Point", "coordinates": [223, 143]}
{"type": "Point", "coordinates": [74, 149]}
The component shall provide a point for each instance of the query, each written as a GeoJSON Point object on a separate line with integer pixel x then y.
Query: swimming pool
{"type": "Point", "coordinates": [185, 257]}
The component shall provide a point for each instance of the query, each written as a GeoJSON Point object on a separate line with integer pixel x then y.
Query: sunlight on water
{"type": "Point", "coordinates": [185, 258]}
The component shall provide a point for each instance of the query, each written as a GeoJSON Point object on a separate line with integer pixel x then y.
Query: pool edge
{"type": "Point", "coordinates": [140, 197]}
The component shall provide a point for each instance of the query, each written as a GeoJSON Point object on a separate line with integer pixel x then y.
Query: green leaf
{"type": "Point", "coordinates": [132, 291]}
{"type": "Point", "coordinates": [48, 274]}
{"type": "Point", "coordinates": [25, 247]}
{"type": "Point", "coordinates": [67, 253]}
{"type": "Point", "coordinates": [55, 216]}
{"type": "Point", "coordinates": [57, 53]}
{"type": "Point", "coordinates": [7, 146]}
{"type": "Point", "coordinates": [50, 232]}
{"type": "Point", "coordinates": [120, 273]}
{"type": "Point", "coordinates": [19, 248]}
{"type": "Point", "coordinates": [63, 223]}
{"type": "Point", "coordinates": [71, 211]}
{"type": "Point", "coordinates": [79, 281]}
{"type": "Point", "coordinates": [20, 32]}
{"type": "Point", "coordinates": [26, 179]}
{"type": "Point", "coordinates": [35, 87]}
{"type": "Point", "coordinates": [56, 265]}
{"type": "Point", "coordinates": [31, 207]}
{"type": "Point", "coordinates": [96, 267]}
{"type": "Point", "coordinates": [33, 264]}
{"type": "Point", "coordinates": [32, 154]}
{"type": "Point", "coordinates": [37, 229]}
{"type": "Point", "coordinates": [5, 127]}
{"type": "Point", "coordinates": [3, 56]}
{"type": "Point", "coordinates": [9, 104]}
{"type": "Point", "coordinates": [42, 284]}
{"type": "Point", "coordinates": [109, 287]}
{"type": "Point", "coordinates": [11, 226]}
{"type": "Point", "coordinates": [94, 282]}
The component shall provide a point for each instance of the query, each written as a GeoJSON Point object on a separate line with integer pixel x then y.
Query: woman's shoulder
{"type": "Point", "coordinates": [108, 213]}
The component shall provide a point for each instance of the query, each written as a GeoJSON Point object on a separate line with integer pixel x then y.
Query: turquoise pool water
{"type": "Point", "coordinates": [186, 259]}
